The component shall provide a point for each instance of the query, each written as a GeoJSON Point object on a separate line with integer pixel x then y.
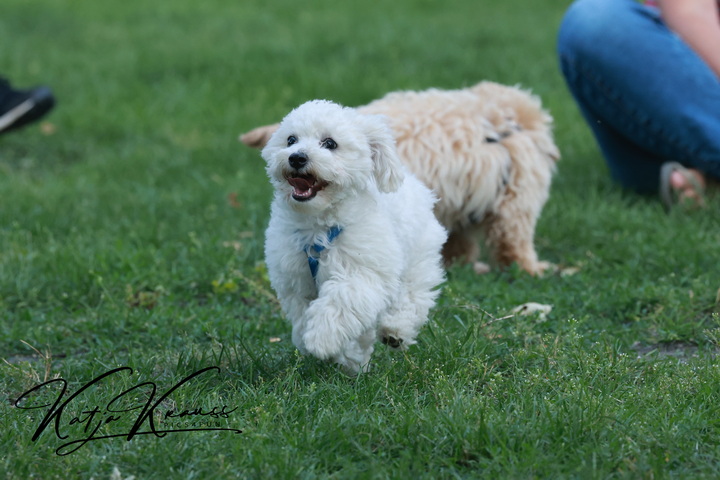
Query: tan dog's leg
{"type": "Point", "coordinates": [462, 246]}
{"type": "Point", "coordinates": [510, 229]}
{"type": "Point", "coordinates": [510, 239]}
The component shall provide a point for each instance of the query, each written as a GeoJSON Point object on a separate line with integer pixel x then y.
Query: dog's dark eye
{"type": "Point", "coordinates": [292, 140]}
{"type": "Point", "coordinates": [328, 143]}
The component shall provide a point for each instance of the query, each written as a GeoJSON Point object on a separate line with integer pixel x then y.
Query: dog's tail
{"type": "Point", "coordinates": [518, 111]}
{"type": "Point", "coordinates": [258, 137]}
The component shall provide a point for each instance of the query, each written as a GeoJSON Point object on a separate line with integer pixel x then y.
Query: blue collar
{"type": "Point", "coordinates": [313, 251]}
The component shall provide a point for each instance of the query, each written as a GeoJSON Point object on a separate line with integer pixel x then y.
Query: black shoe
{"type": "Point", "coordinates": [20, 107]}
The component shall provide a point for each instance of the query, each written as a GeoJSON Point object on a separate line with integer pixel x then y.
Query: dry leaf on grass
{"type": "Point", "coordinates": [530, 308]}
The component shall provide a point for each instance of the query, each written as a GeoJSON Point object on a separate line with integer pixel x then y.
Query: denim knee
{"type": "Point", "coordinates": [589, 24]}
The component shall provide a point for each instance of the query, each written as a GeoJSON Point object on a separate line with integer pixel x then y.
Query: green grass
{"type": "Point", "coordinates": [131, 232]}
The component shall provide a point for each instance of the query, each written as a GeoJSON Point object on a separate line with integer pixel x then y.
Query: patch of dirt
{"type": "Point", "coordinates": [683, 351]}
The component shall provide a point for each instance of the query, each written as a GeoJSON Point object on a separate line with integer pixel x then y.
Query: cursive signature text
{"type": "Point", "coordinates": [143, 412]}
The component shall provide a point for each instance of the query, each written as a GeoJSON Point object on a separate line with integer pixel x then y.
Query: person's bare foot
{"type": "Point", "coordinates": [689, 190]}
{"type": "Point", "coordinates": [681, 186]}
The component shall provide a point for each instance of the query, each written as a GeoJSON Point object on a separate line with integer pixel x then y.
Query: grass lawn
{"type": "Point", "coordinates": [131, 233]}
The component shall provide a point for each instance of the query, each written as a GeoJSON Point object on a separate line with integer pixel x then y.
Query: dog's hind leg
{"type": "Point", "coordinates": [462, 246]}
{"type": "Point", "coordinates": [400, 324]}
{"type": "Point", "coordinates": [510, 228]}
{"type": "Point", "coordinates": [510, 239]}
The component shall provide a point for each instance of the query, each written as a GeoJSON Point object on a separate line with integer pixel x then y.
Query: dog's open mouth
{"type": "Point", "coordinates": [305, 187]}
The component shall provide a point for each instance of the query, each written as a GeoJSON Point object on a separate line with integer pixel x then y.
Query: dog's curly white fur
{"type": "Point", "coordinates": [344, 201]}
{"type": "Point", "coordinates": [489, 154]}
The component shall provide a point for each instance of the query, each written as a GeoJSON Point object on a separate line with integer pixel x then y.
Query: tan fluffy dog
{"type": "Point", "coordinates": [487, 151]}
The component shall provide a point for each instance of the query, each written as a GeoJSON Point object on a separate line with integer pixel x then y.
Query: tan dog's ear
{"type": "Point", "coordinates": [387, 167]}
{"type": "Point", "coordinates": [258, 137]}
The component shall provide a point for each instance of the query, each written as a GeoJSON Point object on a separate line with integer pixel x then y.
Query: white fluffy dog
{"type": "Point", "coordinates": [489, 154]}
{"type": "Point", "coordinates": [353, 247]}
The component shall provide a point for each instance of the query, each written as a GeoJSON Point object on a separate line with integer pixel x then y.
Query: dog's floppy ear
{"type": "Point", "coordinates": [387, 167]}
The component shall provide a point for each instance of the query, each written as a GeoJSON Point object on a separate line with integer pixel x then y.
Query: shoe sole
{"type": "Point", "coordinates": [16, 113]}
{"type": "Point", "coordinates": [28, 111]}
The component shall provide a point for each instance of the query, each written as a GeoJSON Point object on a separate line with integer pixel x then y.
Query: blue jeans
{"type": "Point", "coordinates": [647, 97]}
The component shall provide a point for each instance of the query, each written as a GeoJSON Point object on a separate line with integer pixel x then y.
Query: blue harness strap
{"type": "Point", "coordinates": [313, 251]}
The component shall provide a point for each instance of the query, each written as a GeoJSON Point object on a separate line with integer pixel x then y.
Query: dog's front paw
{"type": "Point", "coordinates": [353, 366]}
{"type": "Point", "coordinates": [322, 343]}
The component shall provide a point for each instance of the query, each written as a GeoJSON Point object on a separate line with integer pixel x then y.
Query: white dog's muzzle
{"type": "Point", "coordinates": [305, 186]}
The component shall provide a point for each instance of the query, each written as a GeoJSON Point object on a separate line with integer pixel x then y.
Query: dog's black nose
{"type": "Point", "coordinates": [298, 160]}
